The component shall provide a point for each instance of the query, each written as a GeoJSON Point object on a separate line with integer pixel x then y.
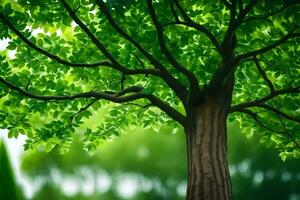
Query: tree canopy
{"type": "Point", "coordinates": [66, 61]}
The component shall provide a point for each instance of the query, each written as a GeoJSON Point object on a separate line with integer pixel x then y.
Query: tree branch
{"type": "Point", "coordinates": [119, 30]}
{"type": "Point", "coordinates": [257, 102]}
{"type": "Point", "coordinates": [71, 64]}
{"type": "Point", "coordinates": [194, 85]}
{"type": "Point", "coordinates": [288, 133]}
{"type": "Point", "coordinates": [123, 79]}
{"type": "Point", "coordinates": [140, 106]}
{"type": "Point", "coordinates": [112, 96]}
{"type": "Point", "coordinates": [46, 53]}
{"type": "Point", "coordinates": [197, 27]}
{"type": "Point", "coordinates": [174, 11]}
{"type": "Point", "coordinates": [254, 116]}
{"type": "Point", "coordinates": [88, 32]}
{"type": "Point", "coordinates": [234, 23]}
{"type": "Point", "coordinates": [279, 113]}
{"type": "Point", "coordinates": [171, 112]}
{"type": "Point", "coordinates": [139, 60]}
{"type": "Point", "coordinates": [244, 12]}
{"type": "Point", "coordinates": [264, 75]}
{"type": "Point", "coordinates": [288, 36]}
{"type": "Point", "coordinates": [116, 97]}
{"type": "Point", "coordinates": [175, 85]}
{"type": "Point", "coordinates": [270, 14]}
{"type": "Point", "coordinates": [93, 38]}
{"type": "Point", "coordinates": [227, 4]}
{"type": "Point", "coordinates": [190, 23]}
{"type": "Point", "coordinates": [82, 110]}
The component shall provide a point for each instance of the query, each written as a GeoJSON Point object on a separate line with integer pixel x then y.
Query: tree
{"type": "Point", "coordinates": [195, 63]}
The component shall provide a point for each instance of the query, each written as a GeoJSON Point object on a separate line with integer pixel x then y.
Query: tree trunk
{"type": "Point", "coordinates": [208, 175]}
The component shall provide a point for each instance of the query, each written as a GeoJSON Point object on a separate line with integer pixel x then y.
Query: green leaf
{"type": "Point", "coordinates": [40, 42]}
{"type": "Point", "coordinates": [114, 112]}
{"type": "Point", "coordinates": [283, 156]}
{"type": "Point", "coordinates": [49, 146]}
{"type": "Point", "coordinates": [7, 103]}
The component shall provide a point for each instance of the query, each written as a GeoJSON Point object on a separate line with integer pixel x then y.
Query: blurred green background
{"type": "Point", "coordinates": [145, 165]}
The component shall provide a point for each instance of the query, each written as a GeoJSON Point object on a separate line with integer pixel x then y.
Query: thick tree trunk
{"type": "Point", "coordinates": [208, 177]}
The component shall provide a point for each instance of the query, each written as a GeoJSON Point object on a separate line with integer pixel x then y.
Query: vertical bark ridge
{"type": "Point", "coordinates": [188, 146]}
{"type": "Point", "coordinates": [208, 172]}
{"type": "Point", "coordinates": [205, 156]}
{"type": "Point", "coordinates": [222, 158]}
{"type": "Point", "coordinates": [229, 190]}
{"type": "Point", "coordinates": [214, 139]}
{"type": "Point", "coordinates": [222, 169]}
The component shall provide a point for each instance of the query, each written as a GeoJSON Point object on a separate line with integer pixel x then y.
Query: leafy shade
{"type": "Point", "coordinates": [66, 61]}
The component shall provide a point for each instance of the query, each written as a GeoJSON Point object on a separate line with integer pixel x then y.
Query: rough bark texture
{"type": "Point", "coordinates": [207, 154]}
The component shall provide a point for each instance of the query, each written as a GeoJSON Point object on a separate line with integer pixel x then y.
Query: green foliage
{"type": "Point", "coordinates": [49, 28]}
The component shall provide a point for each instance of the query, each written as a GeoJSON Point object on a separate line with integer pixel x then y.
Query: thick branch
{"type": "Point", "coordinates": [288, 36]}
{"type": "Point", "coordinates": [257, 102]}
{"type": "Point", "coordinates": [194, 85]}
{"type": "Point", "coordinates": [189, 22]}
{"type": "Point", "coordinates": [167, 109]}
{"type": "Point", "coordinates": [134, 89]}
{"type": "Point", "coordinates": [116, 97]}
{"type": "Point", "coordinates": [264, 75]}
{"type": "Point", "coordinates": [119, 97]}
{"type": "Point", "coordinates": [229, 41]}
{"type": "Point", "coordinates": [112, 96]}
{"type": "Point", "coordinates": [175, 85]}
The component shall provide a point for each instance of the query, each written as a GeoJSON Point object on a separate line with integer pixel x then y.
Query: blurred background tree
{"type": "Point", "coordinates": [9, 190]}
{"type": "Point", "coordinates": [258, 173]}
{"type": "Point", "coordinates": [151, 166]}
{"type": "Point", "coordinates": [145, 160]}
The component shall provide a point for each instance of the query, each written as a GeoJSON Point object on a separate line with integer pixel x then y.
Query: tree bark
{"type": "Point", "coordinates": [208, 175]}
